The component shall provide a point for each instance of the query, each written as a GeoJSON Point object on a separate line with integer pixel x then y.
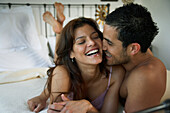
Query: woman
{"type": "Point", "coordinates": [80, 71]}
{"type": "Point", "coordinates": [79, 81]}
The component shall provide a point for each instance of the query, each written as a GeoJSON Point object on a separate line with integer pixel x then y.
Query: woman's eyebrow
{"type": "Point", "coordinates": [93, 32]}
{"type": "Point", "coordinates": [79, 37]}
{"type": "Point", "coordinates": [84, 36]}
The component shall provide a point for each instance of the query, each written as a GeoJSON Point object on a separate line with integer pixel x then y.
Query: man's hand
{"type": "Point", "coordinates": [69, 106]}
{"type": "Point", "coordinates": [57, 107]}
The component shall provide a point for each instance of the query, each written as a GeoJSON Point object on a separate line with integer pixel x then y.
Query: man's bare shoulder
{"type": "Point", "coordinates": [149, 78]}
{"type": "Point", "coordinates": [153, 69]}
{"type": "Point", "coordinates": [146, 85]}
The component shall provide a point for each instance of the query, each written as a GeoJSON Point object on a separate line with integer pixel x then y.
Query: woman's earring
{"type": "Point", "coordinates": [72, 59]}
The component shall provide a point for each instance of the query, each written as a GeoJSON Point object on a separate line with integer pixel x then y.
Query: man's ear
{"type": "Point", "coordinates": [134, 48]}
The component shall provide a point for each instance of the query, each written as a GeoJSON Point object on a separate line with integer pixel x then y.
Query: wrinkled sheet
{"type": "Point", "coordinates": [15, 92]}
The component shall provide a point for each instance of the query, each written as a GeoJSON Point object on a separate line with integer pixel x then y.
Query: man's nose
{"type": "Point", "coordinates": [104, 45]}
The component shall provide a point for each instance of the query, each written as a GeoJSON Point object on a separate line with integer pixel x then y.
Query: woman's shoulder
{"type": "Point", "coordinates": [117, 76]}
{"type": "Point", "coordinates": [60, 72]}
{"type": "Point", "coordinates": [117, 69]}
{"type": "Point", "coordinates": [118, 72]}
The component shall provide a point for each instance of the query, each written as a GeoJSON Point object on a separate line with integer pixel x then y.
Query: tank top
{"type": "Point", "coordinates": [98, 102]}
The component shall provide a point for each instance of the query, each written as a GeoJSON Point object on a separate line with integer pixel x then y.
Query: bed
{"type": "Point", "coordinates": [27, 48]}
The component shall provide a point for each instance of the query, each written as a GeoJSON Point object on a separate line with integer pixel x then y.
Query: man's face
{"type": "Point", "coordinates": [115, 53]}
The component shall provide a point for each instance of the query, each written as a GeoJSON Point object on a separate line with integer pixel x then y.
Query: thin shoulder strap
{"type": "Point", "coordinates": [110, 75]}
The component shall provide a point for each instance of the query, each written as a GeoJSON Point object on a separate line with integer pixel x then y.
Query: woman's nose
{"type": "Point", "coordinates": [91, 42]}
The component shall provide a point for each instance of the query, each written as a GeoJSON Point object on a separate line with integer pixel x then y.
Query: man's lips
{"type": "Point", "coordinates": [108, 54]}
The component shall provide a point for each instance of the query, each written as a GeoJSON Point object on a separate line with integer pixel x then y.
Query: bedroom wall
{"type": "Point", "coordinates": [160, 13]}
{"type": "Point", "coordinates": [160, 10]}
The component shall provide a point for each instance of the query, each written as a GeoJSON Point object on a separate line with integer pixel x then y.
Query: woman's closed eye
{"type": "Point", "coordinates": [81, 42]}
{"type": "Point", "coordinates": [95, 37]}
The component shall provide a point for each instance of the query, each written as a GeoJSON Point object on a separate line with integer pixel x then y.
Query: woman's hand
{"type": "Point", "coordinates": [67, 106]}
{"type": "Point", "coordinates": [37, 103]}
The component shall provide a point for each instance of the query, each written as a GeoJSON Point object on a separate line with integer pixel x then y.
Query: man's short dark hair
{"type": "Point", "coordinates": [134, 24]}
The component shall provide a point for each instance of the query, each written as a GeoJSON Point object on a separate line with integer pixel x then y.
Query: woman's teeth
{"type": "Point", "coordinates": [92, 52]}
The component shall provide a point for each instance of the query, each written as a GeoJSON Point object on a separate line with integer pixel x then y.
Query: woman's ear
{"type": "Point", "coordinates": [134, 48]}
{"type": "Point", "coordinates": [72, 55]}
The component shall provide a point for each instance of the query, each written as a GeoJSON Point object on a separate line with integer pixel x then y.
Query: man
{"type": "Point", "coordinates": [128, 33]}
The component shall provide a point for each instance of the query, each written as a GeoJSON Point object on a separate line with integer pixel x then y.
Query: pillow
{"type": "Point", "coordinates": [17, 29]}
{"type": "Point", "coordinates": [23, 59]}
{"type": "Point", "coordinates": [20, 46]}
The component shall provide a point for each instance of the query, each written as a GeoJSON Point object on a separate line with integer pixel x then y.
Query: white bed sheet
{"type": "Point", "coordinates": [14, 95]}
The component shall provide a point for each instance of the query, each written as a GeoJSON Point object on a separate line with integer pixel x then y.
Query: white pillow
{"type": "Point", "coordinates": [23, 59]}
{"type": "Point", "coordinates": [17, 29]}
{"type": "Point", "coordinates": [20, 46]}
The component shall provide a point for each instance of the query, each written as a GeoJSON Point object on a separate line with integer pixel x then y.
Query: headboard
{"type": "Point", "coordinates": [95, 11]}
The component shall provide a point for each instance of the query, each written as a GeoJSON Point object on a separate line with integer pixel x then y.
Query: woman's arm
{"type": "Point", "coordinates": [60, 83]}
{"type": "Point", "coordinates": [111, 101]}
{"type": "Point", "coordinates": [38, 103]}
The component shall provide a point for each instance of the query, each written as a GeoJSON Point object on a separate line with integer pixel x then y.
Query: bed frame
{"type": "Point", "coordinates": [71, 10]}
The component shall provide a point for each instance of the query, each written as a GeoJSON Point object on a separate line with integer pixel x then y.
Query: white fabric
{"type": "Point", "coordinates": [14, 96]}
{"type": "Point", "coordinates": [20, 46]}
{"type": "Point", "coordinates": [22, 75]}
{"type": "Point", "coordinates": [17, 29]}
{"type": "Point", "coordinates": [22, 59]}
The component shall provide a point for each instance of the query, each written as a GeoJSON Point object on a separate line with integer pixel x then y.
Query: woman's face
{"type": "Point", "coordinates": [87, 47]}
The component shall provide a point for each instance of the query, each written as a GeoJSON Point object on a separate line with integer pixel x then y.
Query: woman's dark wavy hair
{"type": "Point", "coordinates": [65, 46]}
{"type": "Point", "coordinates": [134, 24]}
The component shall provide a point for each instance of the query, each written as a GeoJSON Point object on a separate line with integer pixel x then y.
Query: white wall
{"type": "Point", "coordinates": [52, 1]}
{"type": "Point", "coordinates": [160, 11]}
